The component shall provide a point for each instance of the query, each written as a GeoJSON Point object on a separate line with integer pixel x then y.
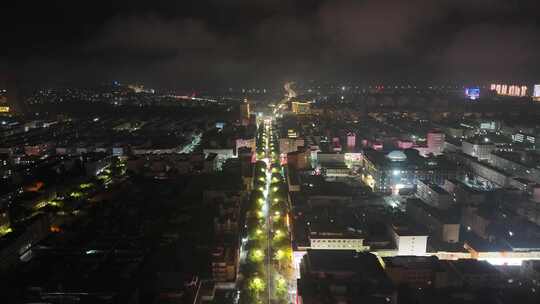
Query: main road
{"type": "Point", "coordinates": [266, 211]}
{"type": "Point", "coordinates": [278, 280]}
{"type": "Point", "coordinates": [273, 209]}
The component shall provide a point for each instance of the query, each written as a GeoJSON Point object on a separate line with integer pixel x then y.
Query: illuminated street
{"type": "Point", "coordinates": [271, 231]}
{"type": "Point", "coordinates": [278, 251]}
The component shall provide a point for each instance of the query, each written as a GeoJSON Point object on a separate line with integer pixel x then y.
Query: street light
{"type": "Point", "coordinates": [257, 255]}
{"type": "Point", "coordinates": [257, 285]}
{"type": "Point", "coordinates": [279, 254]}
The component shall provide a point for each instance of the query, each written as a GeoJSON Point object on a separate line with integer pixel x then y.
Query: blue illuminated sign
{"type": "Point", "coordinates": [472, 93]}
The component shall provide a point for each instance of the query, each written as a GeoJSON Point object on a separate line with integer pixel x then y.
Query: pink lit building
{"type": "Point", "coordinates": [351, 140]}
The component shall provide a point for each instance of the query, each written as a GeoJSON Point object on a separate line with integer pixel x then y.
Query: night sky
{"type": "Point", "coordinates": [179, 44]}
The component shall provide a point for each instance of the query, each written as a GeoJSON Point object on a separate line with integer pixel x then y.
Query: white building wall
{"type": "Point", "coordinates": [412, 245]}
{"type": "Point", "coordinates": [338, 244]}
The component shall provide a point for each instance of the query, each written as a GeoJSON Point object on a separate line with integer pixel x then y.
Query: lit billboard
{"type": "Point", "coordinates": [509, 90]}
{"type": "Point", "coordinates": [472, 93]}
{"type": "Point", "coordinates": [536, 93]}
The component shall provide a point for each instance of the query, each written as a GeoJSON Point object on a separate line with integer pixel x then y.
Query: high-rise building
{"type": "Point", "coordinates": [391, 172]}
{"type": "Point", "coordinates": [351, 140]}
{"type": "Point", "coordinates": [301, 108]}
{"type": "Point", "coordinates": [336, 144]}
{"type": "Point", "coordinates": [245, 112]}
{"type": "Point", "coordinates": [14, 102]}
{"type": "Point", "coordinates": [287, 145]}
{"type": "Point", "coordinates": [299, 160]}
{"type": "Point", "coordinates": [435, 142]}
{"type": "Point", "coordinates": [477, 148]}
{"type": "Point", "coordinates": [4, 106]}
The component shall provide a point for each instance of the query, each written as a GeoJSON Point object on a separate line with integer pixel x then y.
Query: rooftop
{"type": "Point", "coordinates": [412, 262]}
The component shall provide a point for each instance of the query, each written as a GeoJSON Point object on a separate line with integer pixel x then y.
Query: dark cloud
{"type": "Point", "coordinates": [505, 52]}
{"type": "Point", "coordinates": [367, 27]}
{"type": "Point", "coordinates": [208, 42]}
{"type": "Point", "coordinates": [136, 33]}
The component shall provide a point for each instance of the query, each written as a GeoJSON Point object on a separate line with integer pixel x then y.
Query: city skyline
{"type": "Point", "coordinates": [270, 152]}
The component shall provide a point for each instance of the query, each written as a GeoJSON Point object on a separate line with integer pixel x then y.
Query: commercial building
{"type": "Point", "coordinates": [490, 125]}
{"type": "Point", "coordinates": [335, 169]}
{"type": "Point", "coordinates": [495, 177]}
{"type": "Point", "coordinates": [300, 159]}
{"type": "Point", "coordinates": [351, 141]}
{"type": "Point", "coordinates": [225, 254]}
{"type": "Point", "coordinates": [324, 158]}
{"type": "Point", "coordinates": [430, 272]}
{"type": "Point", "coordinates": [451, 145]}
{"type": "Point", "coordinates": [301, 108]}
{"type": "Point", "coordinates": [14, 100]}
{"type": "Point", "coordinates": [509, 89]}
{"type": "Point", "coordinates": [409, 240]}
{"type": "Point", "coordinates": [433, 195]}
{"type": "Point", "coordinates": [245, 142]}
{"type": "Point", "coordinates": [476, 274]}
{"type": "Point", "coordinates": [224, 261]}
{"type": "Point", "coordinates": [435, 142]}
{"type": "Point", "coordinates": [464, 193]}
{"type": "Point", "coordinates": [332, 242]}
{"type": "Point", "coordinates": [522, 137]}
{"type": "Point", "coordinates": [293, 180]}
{"type": "Point", "coordinates": [443, 225]}
{"type": "Point", "coordinates": [515, 164]}
{"type": "Point", "coordinates": [287, 145]}
{"type": "Point", "coordinates": [481, 149]}
{"type": "Point", "coordinates": [404, 144]}
{"type": "Point", "coordinates": [328, 237]}
{"type": "Point", "coordinates": [396, 170]}
{"type": "Point", "coordinates": [222, 154]}
{"type": "Point", "coordinates": [416, 271]}
{"type": "Point", "coordinates": [336, 145]}
{"type": "Point", "coordinates": [245, 113]}
{"type": "Point", "coordinates": [458, 130]}
{"type": "Point", "coordinates": [343, 276]}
